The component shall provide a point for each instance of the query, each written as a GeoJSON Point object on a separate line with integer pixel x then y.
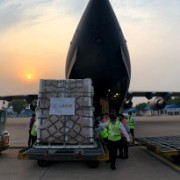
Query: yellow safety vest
{"type": "Point", "coordinates": [131, 123]}
{"type": "Point", "coordinates": [103, 133]}
{"type": "Point", "coordinates": [114, 133]}
{"type": "Point", "coordinates": [34, 131]}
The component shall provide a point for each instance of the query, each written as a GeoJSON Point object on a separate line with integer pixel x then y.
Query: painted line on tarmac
{"type": "Point", "coordinates": [164, 160]}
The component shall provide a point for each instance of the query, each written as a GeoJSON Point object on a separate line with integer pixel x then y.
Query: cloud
{"type": "Point", "coordinates": [29, 12]}
{"type": "Point", "coordinates": [143, 9]}
{"type": "Point", "coordinates": [13, 13]}
{"type": "Point", "coordinates": [10, 14]}
{"type": "Point", "coordinates": [74, 7]}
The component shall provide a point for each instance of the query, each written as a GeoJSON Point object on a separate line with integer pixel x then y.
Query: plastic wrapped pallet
{"type": "Point", "coordinates": [68, 129]}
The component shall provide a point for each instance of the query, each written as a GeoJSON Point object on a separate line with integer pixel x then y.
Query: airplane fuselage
{"type": "Point", "coordinates": [98, 51]}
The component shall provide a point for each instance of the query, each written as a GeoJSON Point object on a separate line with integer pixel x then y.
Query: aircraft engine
{"type": "Point", "coordinates": [157, 103]}
{"type": "Point", "coordinates": [128, 104]}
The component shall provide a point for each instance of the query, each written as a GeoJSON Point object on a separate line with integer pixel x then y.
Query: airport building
{"type": "Point", "coordinates": [168, 110]}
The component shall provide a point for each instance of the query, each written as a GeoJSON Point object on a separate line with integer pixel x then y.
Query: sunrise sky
{"type": "Point", "coordinates": [35, 37]}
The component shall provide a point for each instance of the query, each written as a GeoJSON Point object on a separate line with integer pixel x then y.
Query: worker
{"type": "Point", "coordinates": [105, 118]}
{"type": "Point", "coordinates": [29, 126]}
{"type": "Point", "coordinates": [34, 133]}
{"type": "Point", "coordinates": [103, 134]}
{"type": "Point", "coordinates": [132, 125]}
{"type": "Point", "coordinates": [115, 128]}
{"type": "Point", "coordinates": [123, 147]}
{"type": "Point", "coordinates": [97, 121]}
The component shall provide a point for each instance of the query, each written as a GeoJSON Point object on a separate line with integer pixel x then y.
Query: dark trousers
{"type": "Point", "coordinates": [113, 146]}
{"type": "Point", "coordinates": [31, 139]}
{"type": "Point", "coordinates": [105, 143]}
{"type": "Point", "coordinates": [34, 139]}
{"type": "Point", "coordinates": [132, 134]}
{"type": "Point", "coordinates": [123, 148]}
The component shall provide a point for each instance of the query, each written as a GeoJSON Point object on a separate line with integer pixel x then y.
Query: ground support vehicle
{"type": "Point", "coordinates": [4, 135]}
{"type": "Point", "coordinates": [166, 147]}
{"type": "Point", "coordinates": [4, 141]}
{"type": "Point", "coordinates": [44, 154]}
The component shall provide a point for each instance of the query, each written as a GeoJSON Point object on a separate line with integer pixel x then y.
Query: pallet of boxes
{"type": "Point", "coordinates": [65, 116]}
{"type": "Point", "coordinates": [65, 113]}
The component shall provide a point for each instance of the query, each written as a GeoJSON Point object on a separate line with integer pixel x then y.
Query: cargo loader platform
{"type": "Point", "coordinates": [44, 154]}
{"type": "Point", "coordinates": [165, 148]}
{"type": "Point", "coordinates": [165, 145]}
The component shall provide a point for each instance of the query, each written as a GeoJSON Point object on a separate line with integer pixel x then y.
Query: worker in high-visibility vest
{"type": "Point", "coordinates": [103, 134]}
{"type": "Point", "coordinates": [105, 118]}
{"type": "Point", "coordinates": [132, 125]}
{"type": "Point", "coordinates": [115, 128]}
{"type": "Point", "coordinates": [29, 126]}
{"type": "Point", "coordinates": [34, 133]}
{"type": "Point", "coordinates": [123, 148]}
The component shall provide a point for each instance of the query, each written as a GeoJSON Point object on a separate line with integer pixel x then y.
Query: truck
{"type": "Point", "coordinates": [65, 116]}
{"type": "Point", "coordinates": [4, 135]}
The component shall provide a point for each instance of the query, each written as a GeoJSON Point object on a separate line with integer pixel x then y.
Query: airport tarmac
{"type": "Point", "coordinates": [140, 165]}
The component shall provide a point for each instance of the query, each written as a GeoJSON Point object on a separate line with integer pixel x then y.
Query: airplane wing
{"type": "Point", "coordinates": [150, 94]}
{"type": "Point", "coordinates": [29, 97]}
{"type": "Point", "coordinates": [157, 100]}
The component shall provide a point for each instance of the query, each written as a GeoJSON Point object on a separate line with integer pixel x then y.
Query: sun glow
{"type": "Point", "coordinates": [29, 76]}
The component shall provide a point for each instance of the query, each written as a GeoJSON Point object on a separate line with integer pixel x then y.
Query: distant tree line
{"type": "Point", "coordinates": [175, 101]}
{"type": "Point", "coordinates": [141, 106]}
{"type": "Point", "coordinates": [18, 105]}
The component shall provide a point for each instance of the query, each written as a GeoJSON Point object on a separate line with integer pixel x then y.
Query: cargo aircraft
{"type": "Point", "coordinates": [98, 50]}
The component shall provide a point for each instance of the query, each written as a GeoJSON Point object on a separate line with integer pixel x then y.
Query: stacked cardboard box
{"type": "Point", "coordinates": [56, 126]}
